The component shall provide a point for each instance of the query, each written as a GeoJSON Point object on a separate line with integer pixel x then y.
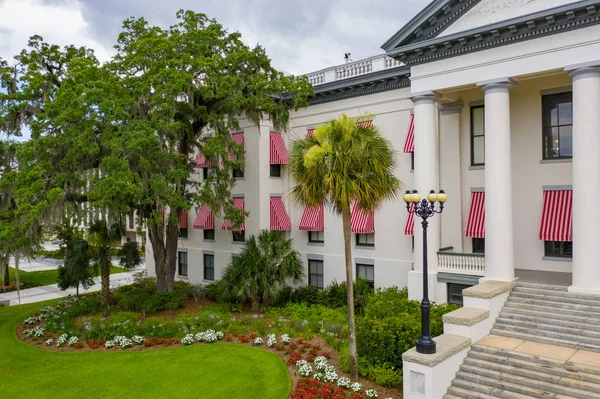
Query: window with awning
{"type": "Point", "coordinates": [409, 228]}
{"type": "Point", "coordinates": [280, 221]}
{"type": "Point", "coordinates": [278, 152]}
{"type": "Point", "coordinates": [205, 220]}
{"type": "Point", "coordinates": [362, 222]}
{"type": "Point", "coordinates": [476, 221]}
{"type": "Point", "coordinates": [557, 216]}
{"type": "Point", "coordinates": [409, 144]}
{"type": "Point", "coordinates": [239, 203]}
{"type": "Point", "coordinates": [313, 219]}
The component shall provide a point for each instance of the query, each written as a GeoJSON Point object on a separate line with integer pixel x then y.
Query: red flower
{"type": "Point", "coordinates": [253, 336]}
{"type": "Point", "coordinates": [229, 338]}
{"type": "Point", "coordinates": [294, 357]}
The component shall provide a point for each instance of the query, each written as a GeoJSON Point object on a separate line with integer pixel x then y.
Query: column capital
{"type": "Point", "coordinates": [450, 108]}
{"type": "Point", "coordinates": [584, 70]}
{"type": "Point", "coordinates": [498, 84]}
{"type": "Point", "coordinates": [425, 97]}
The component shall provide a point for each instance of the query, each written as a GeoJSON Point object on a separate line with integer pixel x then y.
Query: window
{"type": "Point", "coordinates": [182, 264]}
{"type": "Point", "coordinates": [455, 295]}
{"type": "Point", "coordinates": [315, 273]}
{"type": "Point", "coordinates": [209, 267]}
{"type": "Point", "coordinates": [316, 236]}
{"type": "Point", "coordinates": [478, 245]}
{"type": "Point", "coordinates": [412, 161]}
{"type": "Point", "coordinates": [238, 173]}
{"type": "Point", "coordinates": [477, 136]}
{"type": "Point", "coordinates": [209, 234]}
{"type": "Point", "coordinates": [557, 125]}
{"type": "Point", "coordinates": [413, 243]}
{"type": "Point", "coordinates": [131, 222]}
{"type": "Point", "coordinates": [206, 172]}
{"type": "Point", "coordinates": [275, 170]}
{"type": "Point", "coordinates": [366, 272]}
{"type": "Point", "coordinates": [365, 240]}
{"type": "Point", "coordinates": [183, 232]}
{"type": "Point", "coordinates": [559, 249]}
{"type": "Point", "coordinates": [239, 236]}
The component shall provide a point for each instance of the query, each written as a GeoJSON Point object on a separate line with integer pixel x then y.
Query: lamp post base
{"type": "Point", "coordinates": [426, 346]}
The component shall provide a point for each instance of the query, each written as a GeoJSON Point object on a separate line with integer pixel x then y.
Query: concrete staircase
{"type": "Point", "coordinates": [540, 314]}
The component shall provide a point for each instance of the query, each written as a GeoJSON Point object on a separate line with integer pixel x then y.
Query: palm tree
{"type": "Point", "coordinates": [76, 270]}
{"type": "Point", "coordinates": [344, 162]}
{"type": "Point", "coordinates": [103, 240]}
{"type": "Point", "coordinates": [266, 266]}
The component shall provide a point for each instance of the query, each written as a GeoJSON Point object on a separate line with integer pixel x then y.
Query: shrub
{"type": "Point", "coordinates": [385, 375]}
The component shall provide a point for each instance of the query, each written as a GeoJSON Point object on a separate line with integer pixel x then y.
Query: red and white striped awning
{"type": "Point", "coordinates": [409, 145]}
{"type": "Point", "coordinates": [557, 216]}
{"type": "Point", "coordinates": [364, 123]}
{"type": "Point", "coordinates": [362, 222]}
{"type": "Point", "coordinates": [310, 132]}
{"type": "Point", "coordinates": [183, 220]}
{"type": "Point", "coordinates": [409, 228]}
{"type": "Point", "coordinates": [238, 202]}
{"type": "Point", "coordinates": [238, 138]}
{"type": "Point", "coordinates": [476, 222]}
{"type": "Point", "coordinates": [280, 220]}
{"type": "Point", "coordinates": [201, 161]}
{"type": "Point", "coordinates": [205, 219]}
{"type": "Point", "coordinates": [279, 154]}
{"type": "Point", "coordinates": [313, 219]}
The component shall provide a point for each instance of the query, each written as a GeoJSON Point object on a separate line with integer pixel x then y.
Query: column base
{"type": "Point", "coordinates": [584, 290]}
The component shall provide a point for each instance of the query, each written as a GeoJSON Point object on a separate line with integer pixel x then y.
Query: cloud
{"type": "Point", "coordinates": [299, 36]}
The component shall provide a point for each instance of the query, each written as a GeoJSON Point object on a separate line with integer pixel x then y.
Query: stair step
{"type": "Point", "coordinates": [471, 365]}
{"type": "Point", "coordinates": [536, 338]}
{"type": "Point", "coordinates": [466, 393]}
{"type": "Point", "coordinates": [494, 385]}
{"type": "Point", "coordinates": [557, 305]}
{"type": "Point", "coordinates": [579, 331]}
{"type": "Point", "coordinates": [561, 294]}
{"type": "Point", "coordinates": [558, 297]}
{"type": "Point", "coordinates": [542, 286]}
{"type": "Point", "coordinates": [508, 356]}
{"type": "Point", "coordinates": [512, 304]}
{"type": "Point", "coordinates": [568, 321]}
{"type": "Point", "coordinates": [573, 339]}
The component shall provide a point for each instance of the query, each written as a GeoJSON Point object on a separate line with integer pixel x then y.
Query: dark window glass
{"type": "Point", "coordinates": [315, 273]}
{"type": "Point", "coordinates": [366, 272]}
{"type": "Point", "coordinates": [413, 243]}
{"type": "Point", "coordinates": [560, 249]}
{"type": "Point", "coordinates": [412, 161]}
{"type": "Point", "coordinates": [238, 173]}
{"type": "Point", "coordinates": [455, 295]}
{"type": "Point", "coordinates": [477, 135]}
{"type": "Point", "coordinates": [316, 236]}
{"type": "Point", "coordinates": [365, 240]}
{"type": "Point", "coordinates": [209, 234]}
{"type": "Point", "coordinates": [131, 222]}
{"type": "Point", "coordinates": [557, 125]}
{"type": "Point", "coordinates": [239, 236]}
{"type": "Point", "coordinates": [275, 171]}
{"type": "Point", "coordinates": [182, 264]}
{"type": "Point", "coordinates": [209, 267]}
{"type": "Point", "coordinates": [478, 245]}
{"type": "Point", "coordinates": [183, 232]}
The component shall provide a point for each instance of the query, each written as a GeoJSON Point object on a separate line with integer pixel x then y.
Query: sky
{"type": "Point", "coordinates": [299, 36]}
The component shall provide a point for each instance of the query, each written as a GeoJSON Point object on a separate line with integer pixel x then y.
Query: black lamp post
{"type": "Point", "coordinates": [425, 208]}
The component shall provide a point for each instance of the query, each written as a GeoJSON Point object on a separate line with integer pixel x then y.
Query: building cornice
{"type": "Point", "coordinates": [376, 82]}
{"type": "Point", "coordinates": [548, 22]}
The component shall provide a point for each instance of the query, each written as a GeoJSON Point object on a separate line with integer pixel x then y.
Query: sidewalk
{"type": "Point", "coordinates": [48, 292]}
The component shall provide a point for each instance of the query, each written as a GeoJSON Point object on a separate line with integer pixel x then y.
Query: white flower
{"type": "Point", "coordinates": [356, 387]}
{"type": "Point", "coordinates": [258, 341]}
{"type": "Point", "coordinates": [137, 339]}
{"type": "Point", "coordinates": [303, 368]}
{"type": "Point", "coordinates": [110, 344]}
{"type": "Point", "coordinates": [31, 320]}
{"type": "Point", "coordinates": [49, 342]}
{"type": "Point", "coordinates": [188, 339]}
{"type": "Point", "coordinates": [271, 340]}
{"type": "Point", "coordinates": [320, 362]}
{"type": "Point", "coordinates": [62, 339]}
{"type": "Point", "coordinates": [73, 341]}
{"type": "Point", "coordinates": [371, 393]}
{"type": "Point", "coordinates": [344, 382]}
{"type": "Point", "coordinates": [220, 334]}
{"type": "Point", "coordinates": [330, 374]}
{"type": "Point", "coordinates": [285, 338]}
{"type": "Point", "coordinates": [318, 377]}
{"type": "Point", "coordinates": [209, 336]}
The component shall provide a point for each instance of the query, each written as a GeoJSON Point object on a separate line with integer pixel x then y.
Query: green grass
{"type": "Point", "coordinates": [44, 277]}
{"type": "Point", "coordinates": [220, 371]}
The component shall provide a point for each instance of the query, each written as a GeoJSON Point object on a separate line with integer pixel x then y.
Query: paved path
{"type": "Point", "coordinates": [48, 292]}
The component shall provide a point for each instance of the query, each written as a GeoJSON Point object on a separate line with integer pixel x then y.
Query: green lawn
{"type": "Point", "coordinates": [44, 277]}
{"type": "Point", "coordinates": [217, 371]}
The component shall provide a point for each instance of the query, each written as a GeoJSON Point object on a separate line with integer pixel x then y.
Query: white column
{"type": "Point", "coordinates": [499, 246]}
{"type": "Point", "coordinates": [426, 179]}
{"type": "Point", "coordinates": [586, 178]}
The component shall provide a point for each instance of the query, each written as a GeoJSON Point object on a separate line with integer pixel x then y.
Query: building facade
{"type": "Point", "coordinates": [495, 101]}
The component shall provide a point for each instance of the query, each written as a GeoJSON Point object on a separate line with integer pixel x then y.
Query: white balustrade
{"type": "Point", "coordinates": [392, 63]}
{"type": "Point", "coordinates": [467, 264]}
{"type": "Point", "coordinates": [351, 69]}
{"type": "Point", "coordinates": [354, 69]}
{"type": "Point", "coordinates": [316, 78]}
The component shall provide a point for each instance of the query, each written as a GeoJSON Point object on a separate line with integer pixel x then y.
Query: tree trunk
{"type": "Point", "coordinates": [346, 223]}
{"type": "Point", "coordinates": [255, 304]}
{"type": "Point", "coordinates": [17, 276]}
{"type": "Point", "coordinates": [105, 276]}
{"type": "Point", "coordinates": [164, 253]}
{"type": "Point", "coordinates": [77, 290]}
{"type": "Point", "coordinates": [6, 272]}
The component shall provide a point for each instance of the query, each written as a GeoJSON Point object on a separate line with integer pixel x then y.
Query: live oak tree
{"type": "Point", "coordinates": [344, 162]}
{"type": "Point", "coordinates": [181, 91]}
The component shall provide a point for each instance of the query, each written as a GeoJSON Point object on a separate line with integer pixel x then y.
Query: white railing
{"type": "Point", "coordinates": [455, 263]}
{"type": "Point", "coordinates": [351, 69]}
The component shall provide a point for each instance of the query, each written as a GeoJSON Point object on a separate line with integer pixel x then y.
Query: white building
{"type": "Point", "coordinates": [521, 76]}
